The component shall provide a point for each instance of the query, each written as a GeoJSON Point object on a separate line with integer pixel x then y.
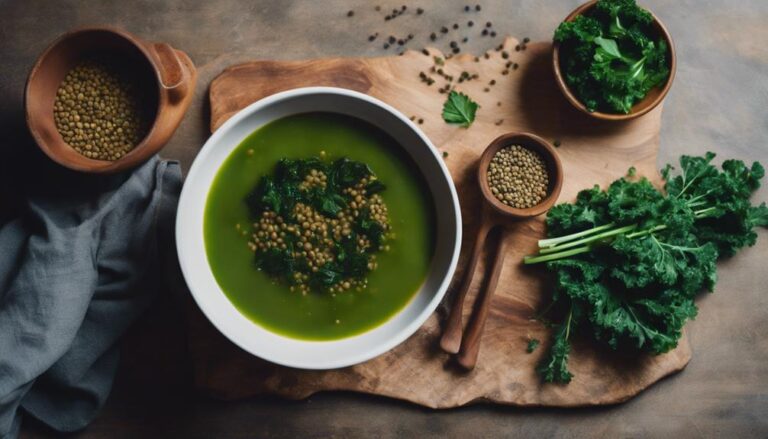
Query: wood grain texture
{"type": "Point", "coordinates": [593, 152]}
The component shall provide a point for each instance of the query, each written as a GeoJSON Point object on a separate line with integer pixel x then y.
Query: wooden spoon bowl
{"type": "Point", "coordinates": [495, 213]}
{"type": "Point", "coordinates": [648, 103]}
{"type": "Point", "coordinates": [551, 160]}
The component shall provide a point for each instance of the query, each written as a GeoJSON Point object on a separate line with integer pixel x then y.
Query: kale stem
{"type": "Point", "coordinates": [702, 213]}
{"type": "Point", "coordinates": [535, 259]}
{"type": "Point", "coordinates": [568, 323]}
{"type": "Point", "coordinates": [551, 242]}
{"type": "Point", "coordinates": [589, 239]}
{"type": "Point", "coordinates": [646, 231]}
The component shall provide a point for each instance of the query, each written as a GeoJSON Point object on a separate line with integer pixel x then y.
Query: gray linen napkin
{"type": "Point", "coordinates": [78, 264]}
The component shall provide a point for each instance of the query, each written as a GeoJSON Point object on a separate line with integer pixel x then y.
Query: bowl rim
{"type": "Point", "coordinates": [402, 333]}
{"type": "Point", "coordinates": [563, 86]}
{"type": "Point", "coordinates": [140, 151]}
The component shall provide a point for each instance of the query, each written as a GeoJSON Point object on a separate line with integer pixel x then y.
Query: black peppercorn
{"type": "Point", "coordinates": [350, 13]}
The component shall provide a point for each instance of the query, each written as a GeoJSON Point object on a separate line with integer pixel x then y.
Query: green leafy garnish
{"type": "Point", "coordinates": [314, 226]}
{"type": "Point", "coordinates": [611, 57]}
{"type": "Point", "coordinates": [459, 109]}
{"type": "Point", "coordinates": [628, 261]}
{"type": "Point", "coordinates": [532, 345]}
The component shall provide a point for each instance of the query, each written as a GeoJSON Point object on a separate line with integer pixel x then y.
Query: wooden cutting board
{"type": "Point", "coordinates": [525, 99]}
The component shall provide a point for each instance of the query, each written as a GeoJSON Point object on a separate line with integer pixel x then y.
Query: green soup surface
{"type": "Point", "coordinates": [319, 316]}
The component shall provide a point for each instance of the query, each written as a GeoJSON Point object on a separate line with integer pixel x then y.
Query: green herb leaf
{"type": "Point", "coordinates": [532, 345]}
{"type": "Point", "coordinates": [459, 109]}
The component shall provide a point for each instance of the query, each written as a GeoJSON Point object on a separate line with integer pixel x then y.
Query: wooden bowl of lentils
{"type": "Point", "coordinates": [520, 175]}
{"type": "Point", "coordinates": [101, 100]}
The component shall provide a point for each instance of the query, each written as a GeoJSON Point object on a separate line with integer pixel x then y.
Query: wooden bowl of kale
{"type": "Point", "coordinates": [613, 59]}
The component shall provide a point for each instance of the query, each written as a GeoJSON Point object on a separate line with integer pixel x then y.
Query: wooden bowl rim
{"type": "Point", "coordinates": [614, 116]}
{"type": "Point", "coordinates": [548, 154]}
{"type": "Point", "coordinates": [140, 153]}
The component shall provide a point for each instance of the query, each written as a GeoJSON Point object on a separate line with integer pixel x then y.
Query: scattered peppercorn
{"type": "Point", "coordinates": [493, 34]}
{"type": "Point", "coordinates": [526, 40]}
{"type": "Point", "coordinates": [101, 110]}
{"type": "Point", "coordinates": [350, 13]}
{"type": "Point", "coordinates": [419, 11]}
{"type": "Point", "coordinates": [470, 23]}
{"type": "Point", "coordinates": [484, 32]}
{"type": "Point", "coordinates": [518, 177]}
{"type": "Point", "coordinates": [445, 154]}
{"type": "Point", "coordinates": [477, 8]}
{"type": "Point", "coordinates": [488, 24]}
{"type": "Point", "coordinates": [432, 36]}
{"type": "Point", "coordinates": [557, 144]}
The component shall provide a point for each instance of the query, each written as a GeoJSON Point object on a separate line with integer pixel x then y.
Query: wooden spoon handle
{"type": "Point", "coordinates": [470, 346]}
{"type": "Point", "coordinates": [451, 340]}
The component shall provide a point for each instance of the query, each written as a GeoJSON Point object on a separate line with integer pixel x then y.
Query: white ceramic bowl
{"type": "Point", "coordinates": [300, 353]}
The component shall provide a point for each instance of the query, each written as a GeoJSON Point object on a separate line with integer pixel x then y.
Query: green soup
{"type": "Point", "coordinates": [319, 316]}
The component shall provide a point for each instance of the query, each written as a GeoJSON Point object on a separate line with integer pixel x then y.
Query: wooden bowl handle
{"type": "Point", "coordinates": [173, 76]}
{"type": "Point", "coordinates": [450, 342]}
{"type": "Point", "coordinates": [470, 346]}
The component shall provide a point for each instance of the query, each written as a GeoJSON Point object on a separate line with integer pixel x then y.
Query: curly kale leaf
{"type": "Point", "coordinates": [632, 259]}
{"type": "Point", "coordinates": [610, 58]}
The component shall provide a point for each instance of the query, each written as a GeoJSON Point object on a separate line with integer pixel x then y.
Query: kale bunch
{"type": "Point", "coordinates": [629, 260]}
{"type": "Point", "coordinates": [609, 56]}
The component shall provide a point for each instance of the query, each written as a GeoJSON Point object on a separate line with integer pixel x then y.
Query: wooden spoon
{"type": "Point", "coordinates": [495, 214]}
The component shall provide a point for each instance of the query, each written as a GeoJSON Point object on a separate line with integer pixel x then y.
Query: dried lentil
{"type": "Point", "coordinates": [518, 177]}
{"type": "Point", "coordinates": [99, 111]}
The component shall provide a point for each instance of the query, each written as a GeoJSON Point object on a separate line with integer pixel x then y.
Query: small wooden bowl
{"type": "Point", "coordinates": [554, 170]}
{"type": "Point", "coordinates": [169, 76]}
{"type": "Point", "coordinates": [648, 103]}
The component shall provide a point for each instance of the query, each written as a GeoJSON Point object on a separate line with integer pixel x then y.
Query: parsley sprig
{"type": "Point", "coordinates": [459, 109]}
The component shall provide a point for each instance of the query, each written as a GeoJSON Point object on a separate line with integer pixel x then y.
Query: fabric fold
{"type": "Point", "coordinates": [75, 272]}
